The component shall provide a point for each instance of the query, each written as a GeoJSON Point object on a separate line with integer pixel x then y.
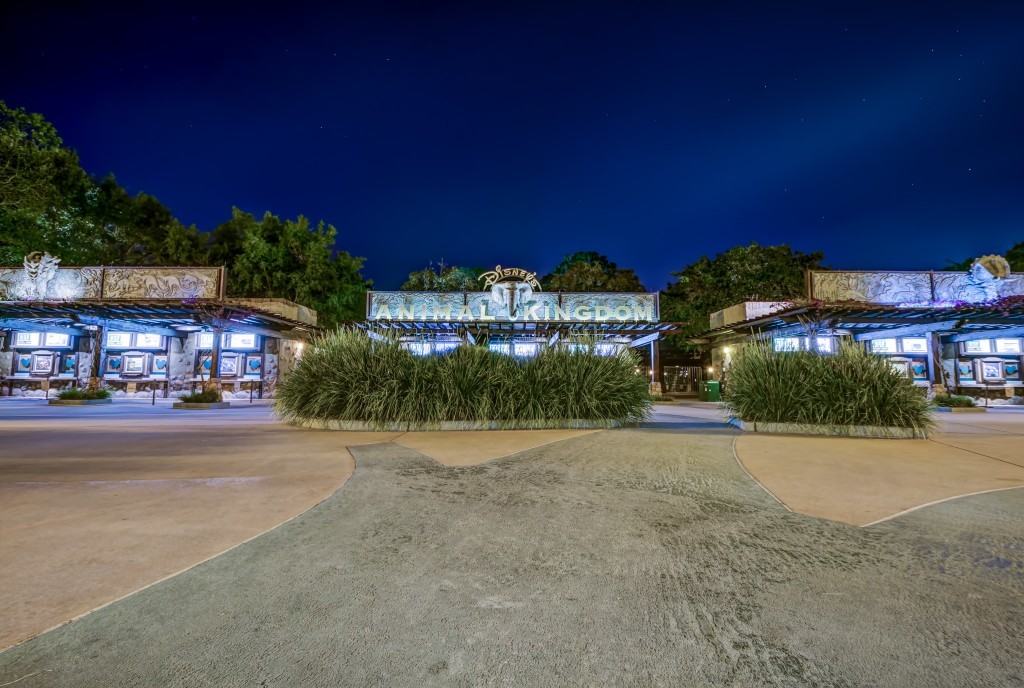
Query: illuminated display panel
{"type": "Point", "coordinates": [883, 346]}
{"type": "Point", "coordinates": [27, 338]}
{"type": "Point", "coordinates": [525, 349]}
{"type": "Point", "coordinates": [1007, 346]}
{"type": "Point", "coordinates": [500, 347]}
{"type": "Point", "coordinates": [417, 348]}
{"type": "Point", "coordinates": [119, 340]}
{"type": "Point", "coordinates": [978, 346]}
{"type": "Point", "coordinates": [238, 340]}
{"type": "Point", "coordinates": [786, 343]}
{"type": "Point", "coordinates": [145, 340]}
{"type": "Point", "coordinates": [915, 345]}
{"type": "Point", "coordinates": [57, 339]}
{"type": "Point", "coordinates": [991, 370]}
{"type": "Point", "coordinates": [228, 340]}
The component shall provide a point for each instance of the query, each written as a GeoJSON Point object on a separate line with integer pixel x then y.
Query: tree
{"type": "Point", "coordinates": [290, 259]}
{"type": "Point", "coordinates": [443, 278]}
{"type": "Point", "coordinates": [591, 271]}
{"type": "Point", "coordinates": [1014, 256]}
{"type": "Point", "coordinates": [49, 203]}
{"type": "Point", "coordinates": [743, 273]}
{"type": "Point", "coordinates": [45, 195]}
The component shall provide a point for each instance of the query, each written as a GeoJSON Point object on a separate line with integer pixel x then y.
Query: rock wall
{"type": "Point", "coordinates": [181, 356]}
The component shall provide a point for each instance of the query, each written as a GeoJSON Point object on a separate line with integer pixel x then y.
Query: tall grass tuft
{"type": "Point", "coordinates": [852, 387]}
{"type": "Point", "coordinates": [345, 375]}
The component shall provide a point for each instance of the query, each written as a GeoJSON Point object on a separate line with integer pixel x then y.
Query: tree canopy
{"type": "Point", "coordinates": [1014, 256]}
{"type": "Point", "coordinates": [49, 203]}
{"type": "Point", "coordinates": [443, 278]}
{"type": "Point", "coordinates": [743, 273]}
{"type": "Point", "coordinates": [591, 271]}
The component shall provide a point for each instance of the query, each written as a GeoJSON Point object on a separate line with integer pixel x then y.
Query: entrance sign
{"type": "Point", "coordinates": [500, 274]}
{"type": "Point", "coordinates": [511, 295]}
{"type": "Point", "coordinates": [467, 307]}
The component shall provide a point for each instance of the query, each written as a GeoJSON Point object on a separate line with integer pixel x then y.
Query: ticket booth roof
{"type": "Point", "coordinates": [158, 315]}
{"type": "Point", "coordinates": [1001, 318]}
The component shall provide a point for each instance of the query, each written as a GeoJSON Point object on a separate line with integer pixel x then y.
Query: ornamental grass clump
{"type": "Point", "coordinates": [850, 387]}
{"type": "Point", "coordinates": [78, 394]}
{"type": "Point", "coordinates": [348, 376]}
{"type": "Point", "coordinates": [953, 401]}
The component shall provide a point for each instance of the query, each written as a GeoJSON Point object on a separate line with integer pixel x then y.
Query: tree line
{"type": "Point", "coordinates": [48, 202]}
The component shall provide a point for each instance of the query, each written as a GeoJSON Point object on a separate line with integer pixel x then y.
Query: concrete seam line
{"type": "Point", "coordinates": [496, 458]}
{"type": "Point", "coordinates": [940, 501]}
{"type": "Point", "coordinates": [976, 453]}
{"type": "Point", "coordinates": [191, 566]}
{"type": "Point", "coordinates": [739, 462]}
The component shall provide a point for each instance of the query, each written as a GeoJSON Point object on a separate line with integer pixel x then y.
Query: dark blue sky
{"type": "Point", "coordinates": [886, 134]}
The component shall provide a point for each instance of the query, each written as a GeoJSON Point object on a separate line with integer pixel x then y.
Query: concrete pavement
{"type": "Point", "coordinates": [98, 502]}
{"type": "Point", "coordinates": [861, 481]}
{"type": "Point", "coordinates": [620, 558]}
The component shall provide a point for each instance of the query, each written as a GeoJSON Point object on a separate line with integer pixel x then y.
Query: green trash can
{"type": "Point", "coordinates": [710, 390]}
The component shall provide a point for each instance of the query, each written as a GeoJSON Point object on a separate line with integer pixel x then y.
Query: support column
{"type": "Point", "coordinates": [936, 373]}
{"type": "Point", "coordinates": [214, 381]}
{"type": "Point", "coordinates": [656, 387]}
{"type": "Point", "coordinates": [96, 370]}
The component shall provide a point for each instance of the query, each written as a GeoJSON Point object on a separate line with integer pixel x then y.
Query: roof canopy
{"type": "Point", "coordinates": [868, 321]}
{"type": "Point", "coordinates": [172, 318]}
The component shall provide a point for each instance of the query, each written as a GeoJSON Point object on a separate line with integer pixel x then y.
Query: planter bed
{"type": "Point", "coordinates": [961, 409]}
{"type": "Point", "coordinates": [829, 430]}
{"type": "Point", "coordinates": [195, 406]}
{"type": "Point", "coordinates": [363, 426]}
{"type": "Point", "coordinates": [78, 402]}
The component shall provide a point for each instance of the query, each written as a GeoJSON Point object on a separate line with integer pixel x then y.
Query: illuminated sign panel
{"type": "Point", "coordinates": [482, 307]}
{"type": "Point", "coordinates": [511, 295]}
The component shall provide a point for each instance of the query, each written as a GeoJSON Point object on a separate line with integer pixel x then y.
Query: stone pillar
{"type": "Point", "coordinates": [214, 381]}
{"type": "Point", "coordinates": [936, 371]}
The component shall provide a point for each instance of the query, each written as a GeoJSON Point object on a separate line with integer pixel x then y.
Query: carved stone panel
{"type": "Point", "coordinates": [872, 287]}
{"type": "Point", "coordinates": [161, 283]}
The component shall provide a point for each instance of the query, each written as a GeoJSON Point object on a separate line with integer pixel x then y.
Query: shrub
{"type": "Point", "coordinates": [953, 401]}
{"type": "Point", "coordinates": [207, 396]}
{"type": "Point", "coordinates": [851, 387]}
{"type": "Point", "coordinates": [76, 394]}
{"type": "Point", "coordinates": [345, 375]}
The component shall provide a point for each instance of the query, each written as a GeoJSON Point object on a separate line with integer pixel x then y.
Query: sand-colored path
{"type": "Point", "coordinates": [97, 503]}
{"type": "Point", "coordinates": [863, 481]}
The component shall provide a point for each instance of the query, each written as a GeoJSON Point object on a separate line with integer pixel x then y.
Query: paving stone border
{"type": "Point", "coordinates": [830, 430]}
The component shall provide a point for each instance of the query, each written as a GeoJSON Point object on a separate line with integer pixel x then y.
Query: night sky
{"type": "Point", "coordinates": [887, 135]}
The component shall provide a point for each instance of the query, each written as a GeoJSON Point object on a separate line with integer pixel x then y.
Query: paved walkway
{"type": "Point", "coordinates": [863, 481]}
{"type": "Point", "coordinates": [631, 557]}
{"type": "Point", "coordinates": [97, 502]}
